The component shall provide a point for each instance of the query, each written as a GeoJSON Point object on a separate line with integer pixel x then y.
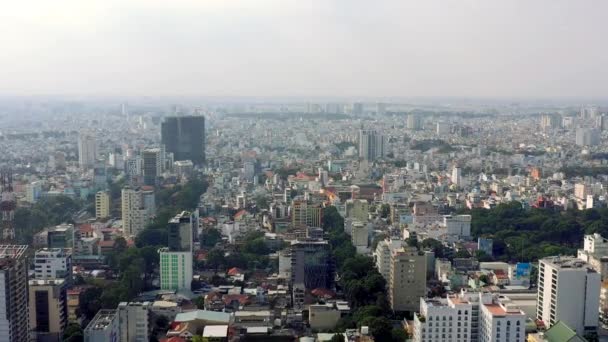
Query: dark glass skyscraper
{"type": "Point", "coordinates": [184, 136]}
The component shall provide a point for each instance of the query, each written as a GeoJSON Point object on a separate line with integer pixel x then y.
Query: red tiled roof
{"type": "Point", "coordinates": [234, 271]}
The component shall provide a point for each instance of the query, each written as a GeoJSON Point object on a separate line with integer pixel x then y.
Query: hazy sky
{"type": "Point", "coordinates": [349, 48]}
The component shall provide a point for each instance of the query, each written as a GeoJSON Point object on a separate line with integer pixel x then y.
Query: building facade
{"type": "Point", "coordinates": [14, 297]}
{"type": "Point", "coordinates": [175, 270]}
{"type": "Point", "coordinates": [407, 281]}
{"type": "Point", "coordinates": [102, 205]}
{"type": "Point", "coordinates": [48, 308]}
{"type": "Point", "coordinates": [134, 321]}
{"type": "Point", "coordinates": [184, 136]}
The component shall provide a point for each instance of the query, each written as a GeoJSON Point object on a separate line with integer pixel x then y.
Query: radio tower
{"type": "Point", "coordinates": [7, 205]}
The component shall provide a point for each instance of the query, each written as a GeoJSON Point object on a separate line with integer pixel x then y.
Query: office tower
{"type": "Point", "coordinates": [134, 321]}
{"type": "Point", "coordinates": [152, 165]}
{"type": "Point", "coordinates": [53, 263]}
{"type": "Point", "coordinates": [47, 308]}
{"type": "Point", "coordinates": [104, 327]}
{"type": "Point", "coordinates": [407, 281]}
{"type": "Point", "coordinates": [458, 227]}
{"type": "Point", "coordinates": [102, 205]}
{"type": "Point", "coordinates": [443, 128]}
{"type": "Point", "coordinates": [414, 122]}
{"type": "Point", "coordinates": [184, 136]}
{"type": "Point", "coordinates": [357, 209]}
{"type": "Point", "coordinates": [550, 121]}
{"type": "Point", "coordinates": [357, 108]}
{"type": "Point", "coordinates": [8, 204]}
{"type": "Point", "coordinates": [175, 269]}
{"type": "Point", "coordinates": [57, 160]}
{"type": "Point", "coordinates": [33, 191]}
{"type": "Point", "coordinates": [14, 295]}
{"type": "Point", "coordinates": [587, 136]}
{"type": "Point", "coordinates": [135, 214]}
{"type": "Point", "coordinates": [87, 150]}
{"type": "Point", "coordinates": [371, 145]}
{"type": "Point", "coordinates": [307, 214]}
{"type": "Point", "coordinates": [380, 108]}
{"type": "Point", "coordinates": [601, 122]}
{"type": "Point", "coordinates": [60, 236]}
{"type": "Point", "coordinates": [181, 231]}
{"type": "Point", "coordinates": [134, 166]}
{"type": "Point", "coordinates": [311, 264]}
{"type": "Point", "coordinates": [568, 291]}
{"type": "Point", "coordinates": [457, 176]}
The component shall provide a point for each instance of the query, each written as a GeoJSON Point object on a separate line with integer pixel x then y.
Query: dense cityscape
{"type": "Point", "coordinates": [305, 221]}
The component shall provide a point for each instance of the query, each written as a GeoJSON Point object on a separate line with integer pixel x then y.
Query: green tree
{"type": "Point", "coordinates": [211, 237]}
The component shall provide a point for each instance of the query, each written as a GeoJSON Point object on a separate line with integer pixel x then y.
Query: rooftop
{"type": "Point", "coordinates": [102, 320]}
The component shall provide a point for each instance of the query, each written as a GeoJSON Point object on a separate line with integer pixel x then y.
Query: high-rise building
{"type": "Point", "coordinates": [102, 205]}
{"type": "Point", "coordinates": [360, 235]}
{"type": "Point", "coordinates": [134, 321]}
{"type": "Point", "coordinates": [307, 214]}
{"type": "Point", "coordinates": [407, 281]}
{"type": "Point", "coordinates": [87, 150]}
{"type": "Point", "coordinates": [380, 108]}
{"type": "Point", "coordinates": [414, 122]}
{"type": "Point", "coordinates": [48, 308]}
{"type": "Point", "coordinates": [357, 108]}
{"type": "Point", "coordinates": [601, 122]}
{"type": "Point", "coordinates": [33, 191]}
{"type": "Point", "coordinates": [311, 264]}
{"type": "Point", "coordinates": [14, 296]}
{"type": "Point", "coordinates": [442, 128]}
{"type": "Point", "coordinates": [568, 291]}
{"type": "Point", "coordinates": [153, 162]}
{"type": "Point", "coordinates": [184, 136]}
{"type": "Point", "coordinates": [595, 253]}
{"type": "Point", "coordinates": [104, 327]}
{"type": "Point", "coordinates": [175, 269]}
{"type": "Point", "coordinates": [371, 145]}
{"type": "Point", "coordinates": [587, 136]}
{"type": "Point", "coordinates": [134, 166]}
{"type": "Point", "coordinates": [181, 231]}
{"type": "Point", "coordinates": [135, 213]}
{"type": "Point", "coordinates": [53, 263]}
{"type": "Point", "coordinates": [357, 209]}
{"type": "Point", "coordinates": [382, 255]}
{"type": "Point", "coordinates": [457, 176]}
{"type": "Point", "coordinates": [550, 121]}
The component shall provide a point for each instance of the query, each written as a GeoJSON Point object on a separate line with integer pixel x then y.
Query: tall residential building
{"type": "Point", "coordinates": [153, 162]}
{"type": "Point", "coordinates": [175, 269]}
{"type": "Point", "coordinates": [53, 263]}
{"type": "Point", "coordinates": [308, 214]}
{"type": "Point", "coordinates": [135, 213]}
{"type": "Point", "coordinates": [103, 327]}
{"type": "Point", "coordinates": [48, 308]}
{"type": "Point", "coordinates": [469, 317]}
{"type": "Point", "coordinates": [568, 291]}
{"type": "Point", "coordinates": [457, 176]}
{"type": "Point", "coordinates": [14, 295]}
{"type": "Point", "coordinates": [382, 255]}
{"type": "Point", "coordinates": [357, 108]}
{"type": "Point", "coordinates": [414, 122]}
{"type": "Point", "coordinates": [87, 150]}
{"type": "Point", "coordinates": [33, 191]}
{"type": "Point", "coordinates": [184, 136]}
{"type": "Point", "coordinates": [371, 145]}
{"type": "Point", "coordinates": [587, 136]}
{"type": "Point", "coordinates": [134, 321]}
{"type": "Point", "coordinates": [181, 230]}
{"type": "Point", "coordinates": [550, 121]}
{"type": "Point", "coordinates": [102, 205]}
{"type": "Point", "coordinates": [407, 281]}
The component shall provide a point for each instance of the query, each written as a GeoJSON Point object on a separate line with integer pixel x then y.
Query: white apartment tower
{"type": "Point", "coordinates": [568, 291]}
{"type": "Point", "coordinates": [134, 321]}
{"type": "Point", "coordinates": [53, 263]}
{"type": "Point", "coordinates": [87, 150]}
{"type": "Point", "coordinates": [407, 281]}
{"type": "Point", "coordinates": [457, 176]}
{"type": "Point", "coordinates": [371, 145]}
{"type": "Point", "coordinates": [135, 213]}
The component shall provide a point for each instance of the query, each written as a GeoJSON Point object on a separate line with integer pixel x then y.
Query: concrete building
{"type": "Point", "coordinates": [568, 291]}
{"type": "Point", "coordinates": [311, 264]}
{"type": "Point", "coordinates": [103, 327]}
{"type": "Point", "coordinates": [371, 145]}
{"type": "Point", "coordinates": [587, 136]}
{"type": "Point", "coordinates": [14, 295]}
{"type": "Point", "coordinates": [134, 321]}
{"type": "Point", "coordinates": [500, 322]}
{"type": "Point", "coordinates": [414, 122]}
{"type": "Point", "coordinates": [48, 308]}
{"type": "Point", "coordinates": [550, 121]}
{"type": "Point", "coordinates": [595, 253]}
{"type": "Point", "coordinates": [382, 255]}
{"type": "Point", "coordinates": [33, 191]}
{"type": "Point", "coordinates": [183, 168]}
{"type": "Point", "coordinates": [443, 128]}
{"type": "Point", "coordinates": [458, 227]}
{"type": "Point", "coordinates": [304, 213]}
{"type": "Point", "coordinates": [360, 236]}
{"type": "Point", "coordinates": [102, 205]}
{"type": "Point", "coordinates": [457, 176]}
{"type": "Point", "coordinates": [357, 209]}
{"type": "Point", "coordinates": [135, 213]}
{"type": "Point", "coordinates": [181, 230]}
{"type": "Point", "coordinates": [323, 316]}
{"type": "Point", "coordinates": [87, 150]}
{"type": "Point", "coordinates": [153, 161]}
{"type": "Point", "coordinates": [184, 136]}
{"type": "Point", "coordinates": [407, 281]}
{"type": "Point", "coordinates": [175, 270]}
{"type": "Point", "coordinates": [53, 263]}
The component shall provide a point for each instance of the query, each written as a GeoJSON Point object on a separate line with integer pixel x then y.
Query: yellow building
{"type": "Point", "coordinates": [102, 205]}
{"type": "Point", "coordinates": [407, 281]}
